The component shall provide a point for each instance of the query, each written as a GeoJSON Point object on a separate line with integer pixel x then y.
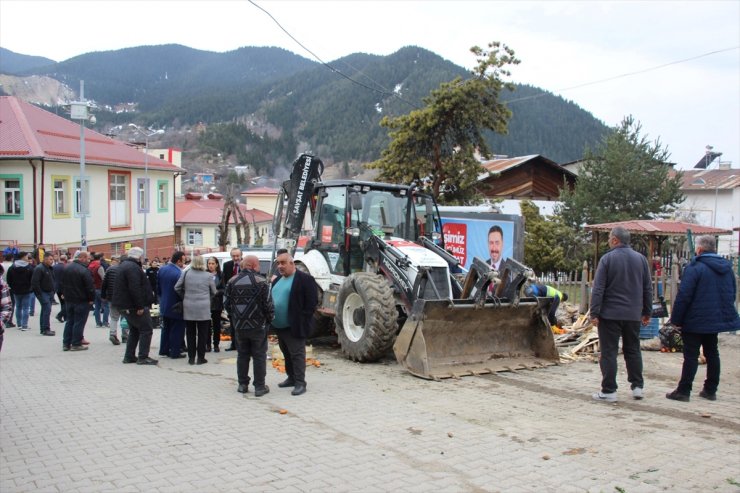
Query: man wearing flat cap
{"type": "Point", "coordinates": [132, 295]}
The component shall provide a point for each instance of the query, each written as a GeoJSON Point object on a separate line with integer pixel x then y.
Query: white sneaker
{"type": "Point", "coordinates": [601, 396]}
{"type": "Point", "coordinates": [637, 393]}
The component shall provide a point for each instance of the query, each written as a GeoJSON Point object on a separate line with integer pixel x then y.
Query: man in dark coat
{"type": "Point", "coordinates": [173, 325]}
{"type": "Point", "coordinates": [231, 269]}
{"type": "Point", "coordinates": [248, 299]}
{"type": "Point", "coordinates": [79, 295]}
{"type": "Point", "coordinates": [133, 296]}
{"type": "Point", "coordinates": [704, 306]}
{"type": "Point", "coordinates": [621, 298]}
{"type": "Point", "coordinates": [42, 282]}
{"type": "Point", "coordinates": [295, 296]}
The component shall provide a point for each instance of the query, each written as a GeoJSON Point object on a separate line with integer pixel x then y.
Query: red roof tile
{"type": "Point", "coordinates": [659, 228]}
{"type": "Point", "coordinates": [29, 132]}
{"type": "Point", "coordinates": [210, 211]}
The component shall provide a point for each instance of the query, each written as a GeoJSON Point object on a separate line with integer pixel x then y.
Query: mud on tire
{"type": "Point", "coordinates": [367, 319]}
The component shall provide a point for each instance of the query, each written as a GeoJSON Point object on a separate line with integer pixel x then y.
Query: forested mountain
{"type": "Point", "coordinates": [12, 63]}
{"type": "Point", "coordinates": [294, 104]}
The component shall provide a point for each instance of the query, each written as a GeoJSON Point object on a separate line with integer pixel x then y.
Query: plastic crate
{"type": "Point", "coordinates": [651, 329]}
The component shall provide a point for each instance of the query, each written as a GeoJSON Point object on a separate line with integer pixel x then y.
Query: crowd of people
{"type": "Point", "coordinates": [192, 296]}
{"type": "Point", "coordinates": [192, 299]}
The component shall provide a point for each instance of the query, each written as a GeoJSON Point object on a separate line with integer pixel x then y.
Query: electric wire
{"type": "Point", "coordinates": [383, 92]}
{"type": "Point", "coordinates": [387, 92]}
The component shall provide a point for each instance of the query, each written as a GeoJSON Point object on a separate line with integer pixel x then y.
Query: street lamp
{"type": "Point", "coordinates": [79, 112]}
{"type": "Point", "coordinates": [146, 172]}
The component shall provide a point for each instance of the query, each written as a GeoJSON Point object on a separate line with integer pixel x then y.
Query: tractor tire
{"type": "Point", "coordinates": [367, 319]}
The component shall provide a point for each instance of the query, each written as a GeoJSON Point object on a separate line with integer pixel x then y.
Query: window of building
{"type": "Point", "coordinates": [60, 189]}
{"type": "Point", "coordinates": [194, 236]}
{"type": "Point", "coordinates": [119, 200]}
{"type": "Point", "coordinates": [162, 196]}
{"type": "Point", "coordinates": [142, 194]}
{"type": "Point", "coordinates": [11, 187]}
{"type": "Point", "coordinates": [82, 196]}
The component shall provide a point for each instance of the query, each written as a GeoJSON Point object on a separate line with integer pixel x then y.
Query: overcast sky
{"type": "Point", "coordinates": [674, 66]}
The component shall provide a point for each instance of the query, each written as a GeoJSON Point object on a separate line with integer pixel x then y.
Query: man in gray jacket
{"type": "Point", "coordinates": [621, 298]}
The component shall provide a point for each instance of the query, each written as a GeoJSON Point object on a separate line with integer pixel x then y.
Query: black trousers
{"type": "Point", "coordinates": [62, 306]}
{"type": "Point", "coordinates": [691, 344]}
{"type": "Point", "coordinates": [251, 344]}
{"type": "Point", "coordinates": [294, 351]}
{"type": "Point", "coordinates": [216, 327]}
{"type": "Point", "coordinates": [609, 333]}
{"type": "Point", "coordinates": [140, 331]}
{"type": "Point", "coordinates": [196, 333]}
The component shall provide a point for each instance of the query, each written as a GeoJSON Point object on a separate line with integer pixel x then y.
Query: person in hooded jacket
{"type": "Point", "coordinates": [704, 307]}
{"type": "Point", "coordinates": [19, 279]}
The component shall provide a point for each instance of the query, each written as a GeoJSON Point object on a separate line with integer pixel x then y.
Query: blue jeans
{"type": "Point", "coordinates": [100, 308]}
{"type": "Point", "coordinates": [74, 327]}
{"type": "Point", "coordinates": [45, 315]}
{"type": "Point", "coordinates": [22, 306]}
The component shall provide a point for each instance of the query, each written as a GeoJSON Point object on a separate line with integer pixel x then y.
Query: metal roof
{"type": "Point", "coordinates": [711, 179]}
{"type": "Point", "coordinates": [500, 165]}
{"type": "Point", "coordinates": [659, 228]}
{"type": "Point", "coordinates": [29, 132]}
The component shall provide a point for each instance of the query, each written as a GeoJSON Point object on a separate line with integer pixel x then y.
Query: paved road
{"type": "Point", "coordinates": [86, 422]}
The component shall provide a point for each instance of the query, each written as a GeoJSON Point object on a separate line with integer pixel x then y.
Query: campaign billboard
{"type": "Point", "coordinates": [466, 235]}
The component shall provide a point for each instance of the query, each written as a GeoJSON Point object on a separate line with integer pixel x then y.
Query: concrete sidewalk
{"type": "Point", "coordinates": [83, 421]}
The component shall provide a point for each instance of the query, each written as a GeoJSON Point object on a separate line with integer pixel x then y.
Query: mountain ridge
{"type": "Point", "coordinates": [333, 108]}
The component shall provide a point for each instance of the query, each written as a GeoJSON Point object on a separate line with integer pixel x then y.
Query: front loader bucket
{"type": "Point", "coordinates": [450, 339]}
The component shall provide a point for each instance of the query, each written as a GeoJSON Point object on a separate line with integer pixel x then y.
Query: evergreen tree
{"type": "Point", "coordinates": [434, 146]}
{"type": "Point", "coordinates": [626, 177]}
{"type": "Point", "coordinates": [550, 244]}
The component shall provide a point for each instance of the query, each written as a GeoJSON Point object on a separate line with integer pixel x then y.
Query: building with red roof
{"type": "Point", "coordinates": [197, 221]}
{"type": "Point", "coordinates": [43, 192]}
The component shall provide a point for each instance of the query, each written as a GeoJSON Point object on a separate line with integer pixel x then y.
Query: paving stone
{"type": "Point", "coordinates": [103, 426]}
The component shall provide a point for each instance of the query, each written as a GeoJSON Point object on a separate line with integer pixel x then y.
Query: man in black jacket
{"type": "Point", "coordinates": [248, 300]}
{"type": "Point", "coordinates": [19, 279]}
{"type": "Point", "coordinates": [295, 296]}
{"type": "Point", "coordinates": [79, 295]}
{"type": "Point", "coordinates": [42, 283]}
{"type": "Point", "coordinates": [133, 296]}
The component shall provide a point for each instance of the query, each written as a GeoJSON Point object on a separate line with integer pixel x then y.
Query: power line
{"type": "Point", "coordinates": [384, 92]}
{"type": "Point", "coordinates": [628, 74]}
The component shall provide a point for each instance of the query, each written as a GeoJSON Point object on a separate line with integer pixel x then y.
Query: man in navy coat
{"type": "Point", "coordinates": [173, 327]}
{"type": "Point", "coordinates": [704, 306]}
{"type": "Point", "coordinates": [295, 296]}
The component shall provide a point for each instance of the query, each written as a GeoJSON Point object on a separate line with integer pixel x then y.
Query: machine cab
{"type": "Point", "coordinates": [345, 212]}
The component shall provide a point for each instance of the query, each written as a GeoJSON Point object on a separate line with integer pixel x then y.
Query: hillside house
{"type": "Point", "coordinates": [713, 199]}
{"type": "Point", "coordinates": [197, 220]}
{"type": "Point", "coordinates": [527, 177]}
{"type": "Point", "coordinates": [44, 193]}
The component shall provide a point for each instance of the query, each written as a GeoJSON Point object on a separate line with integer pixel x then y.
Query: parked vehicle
{"type": "Point", "coordinates": [377, 254]}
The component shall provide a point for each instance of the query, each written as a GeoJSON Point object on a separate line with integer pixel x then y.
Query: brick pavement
{"type": "Point", "coordinates": [86, 422]}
